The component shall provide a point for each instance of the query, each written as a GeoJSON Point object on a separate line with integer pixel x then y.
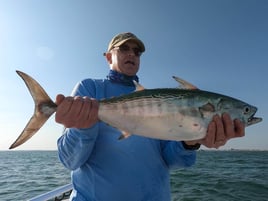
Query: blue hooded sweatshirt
{"type": "Point", "coordinates": [107, 169]}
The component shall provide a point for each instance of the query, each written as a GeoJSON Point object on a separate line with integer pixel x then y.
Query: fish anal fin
{"type": "Point", "coordinates": [124, 135]}
{"type": "Point", "coordinates": [184, 83]}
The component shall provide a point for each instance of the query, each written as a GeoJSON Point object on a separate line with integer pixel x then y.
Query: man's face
{"type": "Point", "coordinates": [125, 59]}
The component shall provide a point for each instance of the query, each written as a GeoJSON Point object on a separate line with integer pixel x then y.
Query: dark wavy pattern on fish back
{"type": "Point", "coordinates": [164, 93]}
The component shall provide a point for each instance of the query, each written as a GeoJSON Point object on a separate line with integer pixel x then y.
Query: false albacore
{"type": "Point", "coordinates": [165, 113]}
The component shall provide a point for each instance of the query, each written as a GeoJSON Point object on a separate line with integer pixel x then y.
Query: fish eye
{"type": "Point", "coordinates": [246, 109]}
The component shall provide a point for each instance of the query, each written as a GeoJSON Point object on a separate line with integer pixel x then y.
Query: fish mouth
{"type": "Point", "coordinates": [253, 120]}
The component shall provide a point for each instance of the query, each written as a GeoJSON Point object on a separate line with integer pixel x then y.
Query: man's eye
{"type": "Point", "coordinates": [124, 48]}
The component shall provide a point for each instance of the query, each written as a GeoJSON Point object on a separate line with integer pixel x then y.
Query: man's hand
{"type": "Point", "coordinates": [76, 112]}
{"type": "Point", "coordinates": [220, 130]}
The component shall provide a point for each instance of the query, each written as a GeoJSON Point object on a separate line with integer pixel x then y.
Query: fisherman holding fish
{"type": "Point", "coordinates": [133, 169]}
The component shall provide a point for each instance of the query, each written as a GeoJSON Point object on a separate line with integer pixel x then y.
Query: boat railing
{"type": "Point", "coordinates": [58, 194]}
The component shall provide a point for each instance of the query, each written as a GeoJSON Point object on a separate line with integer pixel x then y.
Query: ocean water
{"type": "Point", "coordinates": [217, 175]}
{"type": "Point", "coordinates": [223, 175]}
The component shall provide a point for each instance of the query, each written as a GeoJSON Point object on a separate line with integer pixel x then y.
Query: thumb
{"type": "Point", "coordinates": [59, 99]}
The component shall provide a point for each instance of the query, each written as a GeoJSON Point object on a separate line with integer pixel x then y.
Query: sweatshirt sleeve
{"type": "Point", "coordinates": [75, 145]}
{"type": "Point", "coordinates": [175, 155]}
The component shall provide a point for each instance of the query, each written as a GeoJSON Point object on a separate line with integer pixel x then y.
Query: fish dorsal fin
{"type": "Point", "coordinates": [138, 86]}
{"type": "Point", "coordinates": [184, 84]}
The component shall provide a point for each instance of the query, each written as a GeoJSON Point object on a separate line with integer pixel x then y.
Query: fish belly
{"type": "Point", "coordinates": [154, 119]}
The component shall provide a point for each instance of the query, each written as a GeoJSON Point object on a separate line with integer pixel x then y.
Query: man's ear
{"type": "Point", "coordinates": [108, 56]}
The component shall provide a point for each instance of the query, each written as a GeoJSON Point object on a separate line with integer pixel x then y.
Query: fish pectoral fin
{"type": "Point", "coordinates": [124, 135]}
{"type": "Point", "coordinates": [184, 84]}
{"type": "Point", "coordinates": [138, 86]}
{"type": "Point", "coordinates": [207, 108]}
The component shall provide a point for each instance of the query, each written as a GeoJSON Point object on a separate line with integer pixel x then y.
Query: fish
{"type": "Point", "coordinates": [178, 114]}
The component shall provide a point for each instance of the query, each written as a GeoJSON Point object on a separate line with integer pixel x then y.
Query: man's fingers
{"type": "Point", "coordinates": [59, 99]}
{"type": "Point", "coordinates": [222, 129]}
{"type": "Point", "coordinates": [209, 140]}
{"type": "Point", "coordinates": [239, 128]}
{"type": "Point", "coordinates": [228, 126]}
{"type": "Point", "coordinates": [77, 112]}
{"type": "Point", "coordinates": [220, 132]}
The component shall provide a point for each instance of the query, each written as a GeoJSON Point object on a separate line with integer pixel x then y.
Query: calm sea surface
{"type": "Point", "coordinates": [218, 175]}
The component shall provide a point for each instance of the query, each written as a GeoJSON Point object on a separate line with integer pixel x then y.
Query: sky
{"type": "Point", "coordinates": [218, 45]}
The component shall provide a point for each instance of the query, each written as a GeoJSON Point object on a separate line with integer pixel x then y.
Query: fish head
{"type": "Point", "coordinates": [249, 112]}
{"type": "Point", "coordinates": [239, 110]}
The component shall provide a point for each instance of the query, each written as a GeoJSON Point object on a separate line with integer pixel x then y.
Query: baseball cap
{"type": "Point", "coordinates": [121, 38]}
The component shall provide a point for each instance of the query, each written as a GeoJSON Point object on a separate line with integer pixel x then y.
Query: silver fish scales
{"type": "Point", "coordinates": [172, 114]}
{"type": "Point", "coordinates": [168, 114]}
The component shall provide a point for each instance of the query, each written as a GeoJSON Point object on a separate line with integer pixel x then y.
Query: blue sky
{"type": "Point", "coordinates": [218, 45]}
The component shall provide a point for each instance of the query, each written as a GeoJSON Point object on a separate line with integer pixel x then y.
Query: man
{"type": "Point", "coordinates": [137, 168]}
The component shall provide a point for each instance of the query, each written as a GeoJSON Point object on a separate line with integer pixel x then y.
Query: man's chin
{"type": "Point", "coordinates": [130, 71]}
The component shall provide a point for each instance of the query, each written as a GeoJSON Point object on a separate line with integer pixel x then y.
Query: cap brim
{"type": "Point", "coordinates": [139, 43]}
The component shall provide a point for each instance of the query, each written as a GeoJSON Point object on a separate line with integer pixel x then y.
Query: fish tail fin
{"type": "Point", "coordinates": [44, 108]}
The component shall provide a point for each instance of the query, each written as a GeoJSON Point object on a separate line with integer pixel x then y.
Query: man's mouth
{"type": "Point", "coordinates": [130, 62]}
